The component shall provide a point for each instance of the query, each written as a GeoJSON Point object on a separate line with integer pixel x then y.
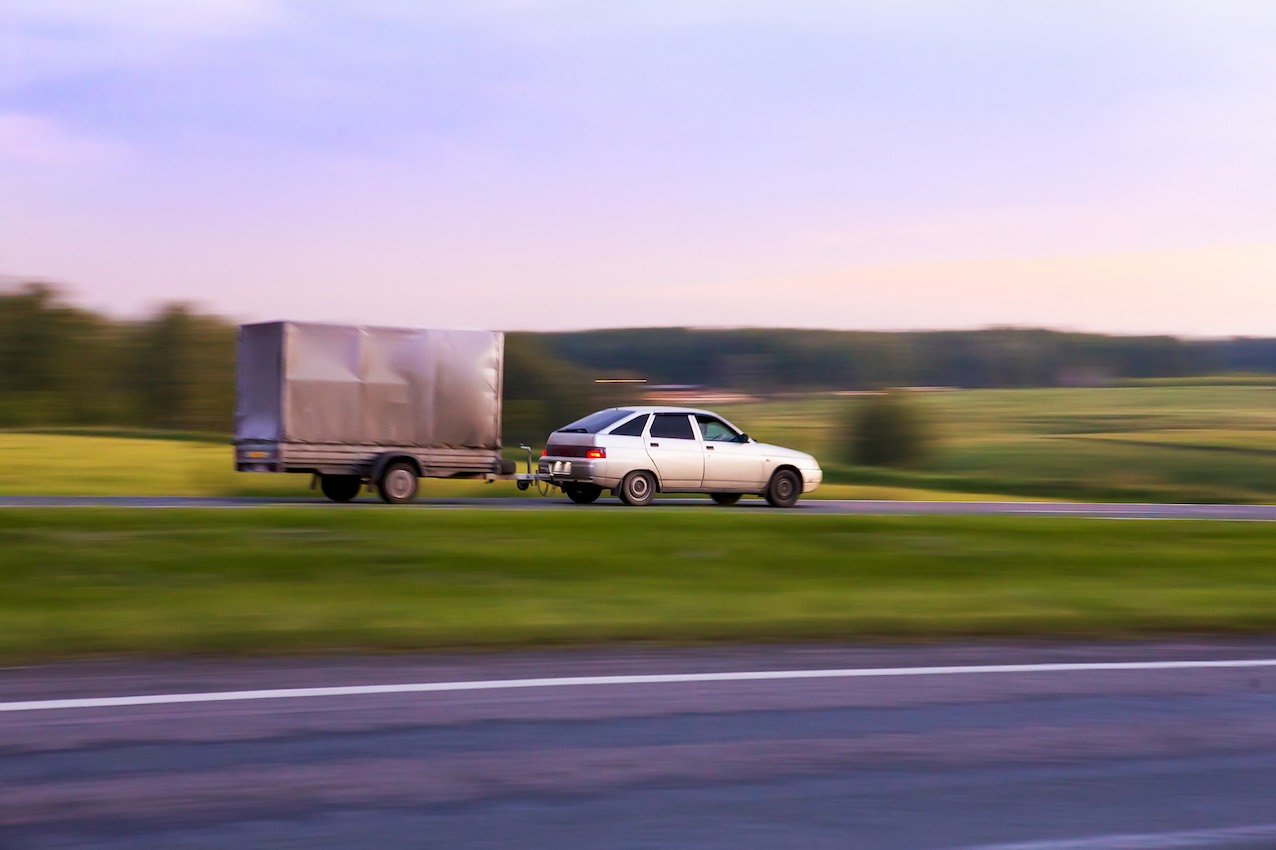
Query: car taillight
{"type": "Point", "coordinates": [574, 451]}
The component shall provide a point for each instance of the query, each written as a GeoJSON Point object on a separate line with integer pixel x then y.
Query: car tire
{"type": "Point", "coordinates": [726, 498]}
{"type": "Point", "coordinates": [340, 488]}
{"type": "Point", "coordinates": [783, 489]}
{"type": "Point", "coordinates": [583, 494]}
{"type": "Point", "coordinates": [638, 489]}
{"type": "Point", "coordinates": [398, 484]}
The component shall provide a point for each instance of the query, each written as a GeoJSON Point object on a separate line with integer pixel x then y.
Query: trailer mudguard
{"type": "Point", "coordinates": [385, 459]}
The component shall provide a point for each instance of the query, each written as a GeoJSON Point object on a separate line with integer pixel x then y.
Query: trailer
{"type": "Point", "coordinates": [353, 405]}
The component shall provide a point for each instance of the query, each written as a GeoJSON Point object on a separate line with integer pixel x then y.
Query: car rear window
{"type": "Point", "coordinates": [632, 428]}
{"type": "Point", "coordinates": [675, 426]}
{"type": "Point", "coordinates": [595, 422]}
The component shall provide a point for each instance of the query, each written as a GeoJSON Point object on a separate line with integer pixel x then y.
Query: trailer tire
{"type": "Point", "coordinates": [398, 483]}
{"type": "Point", "coordinates": [638, 489]}
{"type": "Point", "coordinates": [583, 494]}
{"type": "Point", "coordinates": [726, 498]}
{"type": "Point", "coordinates": [340, 488]}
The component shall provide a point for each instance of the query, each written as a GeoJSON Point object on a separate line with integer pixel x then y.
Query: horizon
{"type": "Point", "coordinates": [555, 167]}
{"type": "Point", "coordinates": [65, 296]}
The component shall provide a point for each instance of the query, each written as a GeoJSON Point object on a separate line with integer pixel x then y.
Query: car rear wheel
{"type": "Point", "coordinates": [784, 489]}
{"type": "Point", "coordinates": [583, 494]}
{"type": "Point", "coordinates": [726, 498]}
{"type": "Point", "coordinates": [638, 489]}
{"type": "Point", "coordinates": [398, 484]}
{"type": "Point", "coordinates": [340, 488]}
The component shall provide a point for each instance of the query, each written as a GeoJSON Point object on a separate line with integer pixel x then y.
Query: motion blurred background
{"type": "Point", "coordinates": [146, 405]}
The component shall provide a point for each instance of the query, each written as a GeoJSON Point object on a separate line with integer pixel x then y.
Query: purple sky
{"type": "Point", "coordinates": [1090, 165]}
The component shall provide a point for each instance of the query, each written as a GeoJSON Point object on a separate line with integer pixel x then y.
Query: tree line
{"type": "Point", "coordinates": [773, 360]}
{"type": "Point", "coordinates": [65, 365]}
{"type": "Point", "coordinates": [62, 365]}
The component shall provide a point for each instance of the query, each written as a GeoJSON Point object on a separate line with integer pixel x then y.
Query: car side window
{"type": "Point", "coordinates": [715, 430]}
{"type": "Point", "coordinates": [673, 426]}
{"type": "Point", "coordinates": [632, 428]}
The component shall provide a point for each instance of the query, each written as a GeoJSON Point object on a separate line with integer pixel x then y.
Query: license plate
{"type": "Point", "coordinates": [562, 467]}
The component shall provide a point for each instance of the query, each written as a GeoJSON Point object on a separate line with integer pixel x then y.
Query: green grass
{"type": "Point", "coordinates": [1235, 440]}
{"type": "Point", "coordinates": [89, 582]}
{"type": "Point", "coordinates": [1225, 380]}
{"type": "Point", "coordinates": [58, 464]}
{"type": "Point", "coordinates": [123, 433]}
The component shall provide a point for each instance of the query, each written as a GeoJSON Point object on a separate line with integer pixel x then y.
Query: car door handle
{"type": "Point", "coordinates": [655, 445]}
{"type": "Point", "coordinates": [709, 448]}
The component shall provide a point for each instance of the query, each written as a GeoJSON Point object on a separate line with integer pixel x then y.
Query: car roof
{"type": "Point", "coordinates": [648, 408]}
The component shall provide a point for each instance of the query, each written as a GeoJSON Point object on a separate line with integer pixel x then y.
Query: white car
{"type": "Point", "coordinates": [636, 452]}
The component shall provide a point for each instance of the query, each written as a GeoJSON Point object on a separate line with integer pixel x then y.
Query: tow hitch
{"type": "Point", "coordinates": [525, 480]}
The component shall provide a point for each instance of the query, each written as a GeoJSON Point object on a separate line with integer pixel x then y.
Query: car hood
{"type": "Point", "coordinates": [787, 454]}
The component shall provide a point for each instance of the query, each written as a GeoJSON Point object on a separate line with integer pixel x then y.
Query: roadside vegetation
{"type": "Point", "coordinates": [107, 581]}
{"type": "Point", "coordinates": [884, 429]}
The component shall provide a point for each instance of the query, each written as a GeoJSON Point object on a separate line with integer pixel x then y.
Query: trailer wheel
{"type": "Point", "coordinates": [726, 498]}
{"type": "Point", "coordinates": [398, 484]}
{"type": "Point", "coordinates": [638, 489]}
{"type": "Point", "coordinates": [583, 494]}
{"type": "Point", "coordinates": [340, 488]}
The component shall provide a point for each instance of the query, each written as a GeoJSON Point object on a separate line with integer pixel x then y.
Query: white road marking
{"type": "Point", "coordinates": [1223, 836]}
{"type": "Point", "coordinates": [650, 679]}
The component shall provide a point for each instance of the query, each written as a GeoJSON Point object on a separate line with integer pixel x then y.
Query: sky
{"type": "Point", "coordinates": [510, 164]}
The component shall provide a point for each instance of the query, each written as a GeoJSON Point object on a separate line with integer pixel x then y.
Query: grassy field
{"type": "Point", "coordinates": [1153, 443]}
{"type": "Point", "coordinates": [1145, 443]}
{"type": "Point", "coordinates": [141, 464]}
{"type": "Point", "coordinates": [99, 581]}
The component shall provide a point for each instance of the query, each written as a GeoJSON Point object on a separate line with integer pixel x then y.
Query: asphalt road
{"type": "Point", "coordinates": [808, 507]}
{"type": "Point", "coordinates": [918, 747]}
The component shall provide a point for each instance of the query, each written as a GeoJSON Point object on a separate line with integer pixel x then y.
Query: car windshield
{"type": "Point", "coordinates": [714, 430]}
{"type": "Point", "coordinates": [595, 422]}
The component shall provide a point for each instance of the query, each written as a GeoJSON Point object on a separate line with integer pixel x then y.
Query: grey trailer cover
{"type": "Point", "coordinates": [345, 384]}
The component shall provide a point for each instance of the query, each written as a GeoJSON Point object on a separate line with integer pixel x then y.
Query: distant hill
{"type": "Point", "coordinates": [768, 360]}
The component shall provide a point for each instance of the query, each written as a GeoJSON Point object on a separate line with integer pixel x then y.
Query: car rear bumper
{"type": "Point", "coordinates": [573, 470]}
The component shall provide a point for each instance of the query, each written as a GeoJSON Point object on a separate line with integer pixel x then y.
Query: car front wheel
{"type": "Point", "coordinates": [784, 489]}
{"type": "Point", "coordinates": [638, 488]}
